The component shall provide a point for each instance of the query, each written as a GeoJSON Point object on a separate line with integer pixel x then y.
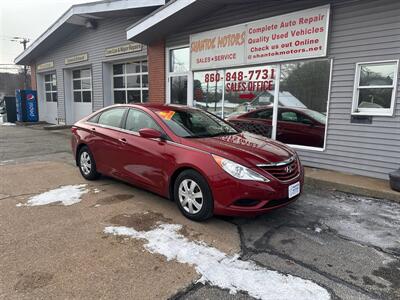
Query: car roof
{"type": "Point", "coordinates": [161, 107]}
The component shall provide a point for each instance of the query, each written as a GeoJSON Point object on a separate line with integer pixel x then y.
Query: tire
{"type": "Point", "coordinates": [187, 186]}
{"type": "Point", "coordinates": [87, 165]}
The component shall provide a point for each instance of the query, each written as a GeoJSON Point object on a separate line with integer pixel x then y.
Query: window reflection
{"type": "Point", "coordinates": [179, 60]}
{"type": "Point", "coordinates": [178, 89]}
{"type": "Point", "coordinates": [247, 89]}
{"type": "Point", "coordinates": [207, 91]}
{"type": "Point", "coordinates": [303, 98]}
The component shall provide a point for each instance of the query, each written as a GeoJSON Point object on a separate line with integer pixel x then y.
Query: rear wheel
{"type": "Point", "coordinates": [193, 196]}
{"type": "Point", "coordinates": [87, 165]}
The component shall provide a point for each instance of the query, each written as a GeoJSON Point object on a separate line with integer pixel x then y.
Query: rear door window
{"type": "Point", "coordinates": [137, 120]}
{"type": "Point", "coordinates": [112, 117]}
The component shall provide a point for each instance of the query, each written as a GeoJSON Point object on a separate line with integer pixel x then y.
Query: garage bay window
{"type": "Point", "coordinates": [130, 82]}
{"type": "Point", "coordinates": [50, 87]}
{"type": "Point", "coordinates": [300, 90]}
{"type": "Point", "coordinates": [375, 88]}
{"type": "Point", "coordinates": [82, 85]}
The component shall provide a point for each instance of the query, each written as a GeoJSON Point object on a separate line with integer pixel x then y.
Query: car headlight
{"type": "Point", "coordinates": [238, 171]}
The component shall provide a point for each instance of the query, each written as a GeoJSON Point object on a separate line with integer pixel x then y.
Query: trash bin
{"type": "Point", "coordinates": [27, 106]}
{"type": "Point", "coordinates": [10, 109]}
{"type": "Point", "coordinates": [395, 180]}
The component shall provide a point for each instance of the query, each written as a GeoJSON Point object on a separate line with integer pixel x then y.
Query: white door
{"type": "Point", "coordinates": [82, 93]}
{"type": "Point", "coordinates": [49, 99]}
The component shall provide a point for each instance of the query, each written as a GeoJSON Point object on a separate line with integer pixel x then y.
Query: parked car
{"type": "Point", "coordinates": [190, 156]}
{"type": "Point", "coordinates": [297, 126]}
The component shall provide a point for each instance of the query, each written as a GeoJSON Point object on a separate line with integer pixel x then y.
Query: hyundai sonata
{"type": "Point", "coordinates": [190, 156]}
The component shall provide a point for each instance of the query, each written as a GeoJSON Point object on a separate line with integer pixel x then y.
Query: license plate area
{"type": "Point", "coordinates": [294, 189]}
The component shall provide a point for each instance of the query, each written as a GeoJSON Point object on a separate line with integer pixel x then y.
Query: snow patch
{"type": "Point", "coordinates": [96, 191]}
{"type": "Point", "coordinates": [7, 124]}
{"type": "Point", "coordinates": [219, 269]}
{"type": "Point", "coordinates": [67, 195]}
{"type": "Point", "coordinates": [317, 229]}
{"type": "Point", "coordinates": [5, 162]}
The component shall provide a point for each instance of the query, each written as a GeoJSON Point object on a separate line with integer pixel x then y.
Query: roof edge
{"type": "Point", "coordinates": [157, 16]}
{"type": "Point", "coordinates": [86, 8]}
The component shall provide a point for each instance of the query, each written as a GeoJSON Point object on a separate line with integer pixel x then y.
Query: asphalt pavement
{"type": "Point", "coordinates": [348, 244]}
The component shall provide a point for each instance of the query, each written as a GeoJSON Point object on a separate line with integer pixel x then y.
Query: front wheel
{"type": "Point", "coordinates": [193, 196]}
{"type": "Point", "coordinates": [87, 165]}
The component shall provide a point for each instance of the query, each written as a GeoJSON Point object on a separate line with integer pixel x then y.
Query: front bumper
{"type": "Point", "coordinates": [235, 197]}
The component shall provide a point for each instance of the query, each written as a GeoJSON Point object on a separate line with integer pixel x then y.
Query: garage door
{"type": "Point", "coordinates": [82, 93]}
{"type": "Point", "coordinates": [48, 105]}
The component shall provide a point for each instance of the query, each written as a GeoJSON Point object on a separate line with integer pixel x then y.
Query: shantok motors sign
{"type": "Point", "coordinates": [298, 35]}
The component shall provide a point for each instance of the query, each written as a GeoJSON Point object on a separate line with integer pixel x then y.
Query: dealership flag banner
{"type": "Point", "coordinates": [298, 35]}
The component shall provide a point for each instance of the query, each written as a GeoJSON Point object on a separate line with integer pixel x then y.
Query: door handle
{"type": "Point", "coordinates": [122, 140]}
{"type": "Point", "coordinates": [93, 129]}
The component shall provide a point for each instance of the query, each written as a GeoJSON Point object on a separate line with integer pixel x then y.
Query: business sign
{"type": "Point", "coordinates": [128, 48]}
{"type": "Point", "coordinates": [76, 58]}
{"type": "Point", "coordinates": [298, 35]}
{"type": "Point", "coordinates": [218, 48]}
{"type": "Point", "coordinates": [45, 66]}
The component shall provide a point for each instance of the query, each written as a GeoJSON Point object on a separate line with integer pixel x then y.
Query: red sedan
{"type": "Point", "coordinates": [191, 156]}
{"type": "Point", "coordinates": [296, 126]}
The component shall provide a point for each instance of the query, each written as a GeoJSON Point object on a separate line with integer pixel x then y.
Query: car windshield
{"type": "Point", "coordinates": [193, 123]}
{"type": "Point", "coordinates": [321, 118]}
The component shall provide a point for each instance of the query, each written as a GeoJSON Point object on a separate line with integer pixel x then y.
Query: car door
{"type": "Point", "coordinates": [296, 129]}
{"type": "Point", "coordinates": [106, 141]}
{"type": "Point", "coordinates": [314, 132]}
{"type": "Point", "coordinates": [143, 159]}
{"type": "Point", "coordinates": [258, 122]}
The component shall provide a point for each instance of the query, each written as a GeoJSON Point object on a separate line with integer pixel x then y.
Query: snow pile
{"type": "Point", "coordinates": [67, 195]}
{"type": "Point", "coordinates": [226, 272]}
{"type": "Point", "coordinates": [7, 124]}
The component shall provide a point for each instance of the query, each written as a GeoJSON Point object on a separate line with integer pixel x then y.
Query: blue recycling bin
{"type": "Point", "coordinates": [27, 106]}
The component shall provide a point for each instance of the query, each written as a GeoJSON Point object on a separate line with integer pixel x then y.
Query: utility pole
{"type": "Point", "coordinates": [24, 42]}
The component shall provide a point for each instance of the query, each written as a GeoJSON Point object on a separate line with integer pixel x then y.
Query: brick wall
{"type": "Point", "coordinates": [156, 61]}
{"type": "Point", "coordinates": [33, 77]}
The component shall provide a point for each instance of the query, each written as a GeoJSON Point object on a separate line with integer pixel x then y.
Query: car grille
{"type": "Point", "coordinates": [283, 171]}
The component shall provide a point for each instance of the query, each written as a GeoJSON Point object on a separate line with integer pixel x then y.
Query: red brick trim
{"type": "Point", "coordinates": [156, 63]}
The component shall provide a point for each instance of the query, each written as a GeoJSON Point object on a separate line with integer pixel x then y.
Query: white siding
{"type": "Point", "coordinates": [109, 33]}
{"type": "Point", "coordinates": [360, 31]}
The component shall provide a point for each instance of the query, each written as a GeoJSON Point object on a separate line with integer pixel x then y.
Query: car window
{"type": "Point", "coordinates": [94, 119]}
{"type": "Point", "coordinates": [262, 114]}
{"type": "Point", "coordinates": [289, 116]}
{"type": "Point", "coordinates": [137, 120]}
{"type": "Point", "coordinates": [112, 117]}
{"type": "Point", "coordinates": [194, 123]}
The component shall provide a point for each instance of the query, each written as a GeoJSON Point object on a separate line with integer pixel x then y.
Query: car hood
{"type": "Point", "coordinates": [245, 148]}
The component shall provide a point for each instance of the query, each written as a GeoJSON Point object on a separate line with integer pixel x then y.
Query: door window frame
{"type": "Point", "coordinates": [51, 91]}
{"type": "Point", "coordinates": [169, 75]}
{"type": "Point", "coordinates": [80, 79]}
{"type": "Point", "coordinates": [124, 75]}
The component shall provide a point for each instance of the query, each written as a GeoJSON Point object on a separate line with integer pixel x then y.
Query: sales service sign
{"type": "Point", "coordinates": [298, 35]}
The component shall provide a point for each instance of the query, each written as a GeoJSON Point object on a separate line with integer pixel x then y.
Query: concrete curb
{"type": "Point", "coordinates": [56, 127]}
{"type": "Point", "coordinates": [353, 188]}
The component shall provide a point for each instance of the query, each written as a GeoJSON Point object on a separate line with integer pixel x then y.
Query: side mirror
{"type": "Point", "coordinates": [150, 133]}
{"type": "Point", "coordinates": [307, 122]}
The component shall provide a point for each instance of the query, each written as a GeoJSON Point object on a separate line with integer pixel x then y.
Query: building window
{"type": "Point", "coordinates": [82, 85]}
{"type": "Point", "coordinates": [178, 72]}
{"type": "Point", "coordinates": [375, 88]}
{"type": "Point", "coordinates": [130, 82]}
{"type": "Point", "coordinates": [50, 87]}
{"type": "Point", "coordinates": [302, 99]}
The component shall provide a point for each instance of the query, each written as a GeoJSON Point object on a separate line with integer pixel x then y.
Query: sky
{"type": "Point", "coordinates": [27, 19]}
